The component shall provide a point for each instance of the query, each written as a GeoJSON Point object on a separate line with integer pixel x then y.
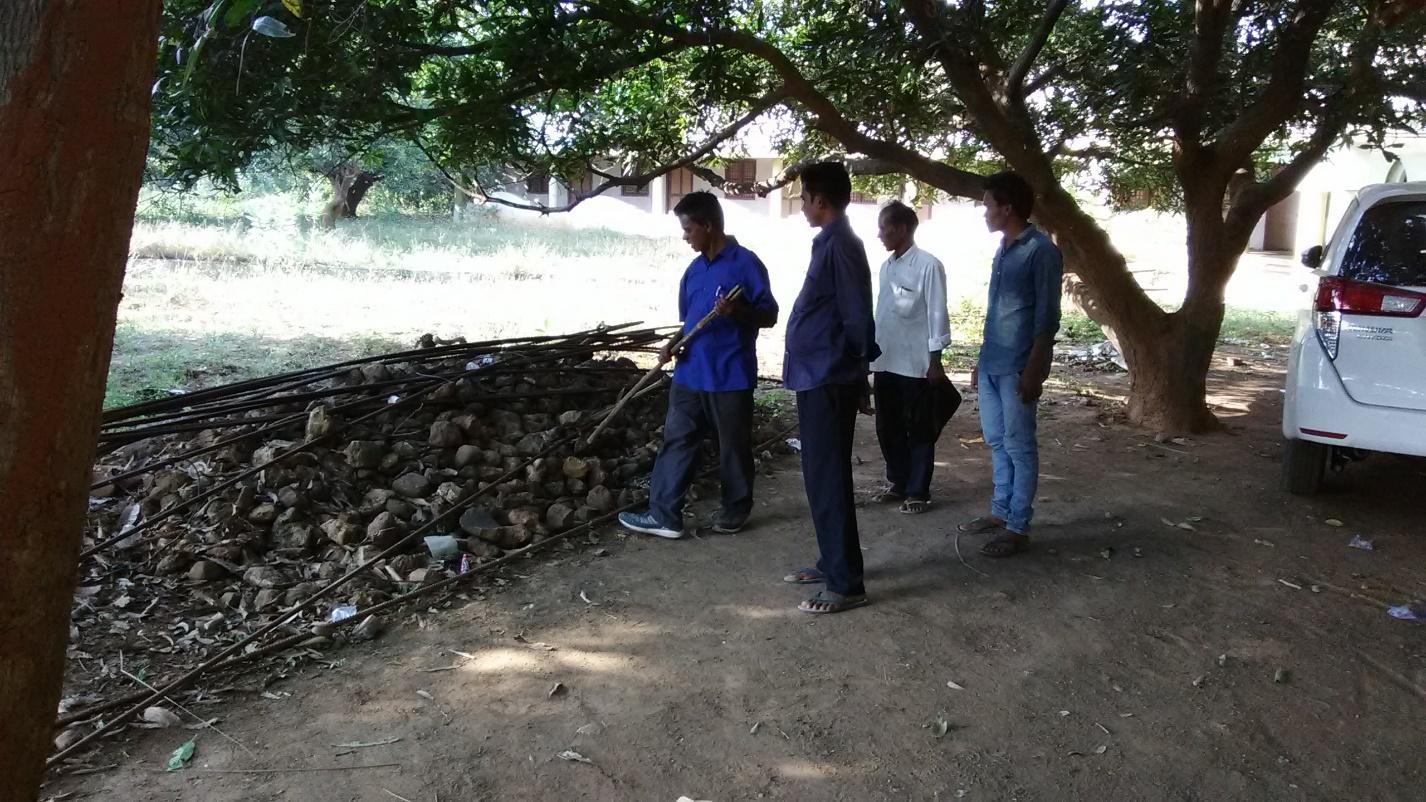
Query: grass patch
{"type": "Point", "coordinates": [147, 364]}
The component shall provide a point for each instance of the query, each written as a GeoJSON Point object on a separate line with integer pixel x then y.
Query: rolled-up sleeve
{"type": "Point", "coordinates": [1048, 272]}
{"type": "Point", "coordinates": [938, 318]}
{"type": "Point", "coordinates": [851, 276]}
{"type": "Point", "coordinates": [757, 287]}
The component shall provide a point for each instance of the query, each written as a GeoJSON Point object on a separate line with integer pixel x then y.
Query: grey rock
{"type": "Point", "coordinates": [205, 571]}
{"type": "Point", "coordinates": [600, 499]}
{"type": "Point", "coordinates": [468, 455]}
{"type": "Point", "coordinates": [263, 576]}
{"type": "Point", "coordinates": [344, 530]}
{"type": "Point", "coordinates": [445, 434]}
{"type": "Point", "coordinates": [412, 485]}
{"type": "Point", "coordinates": [559, 517]}
{"type": "Point", "coordinates": [365, 453]}
{"type": "Point", "coordinates": [385, 530]}
{"type": "Point", "coordinates": [401, 508]}
{"type": "Point", "coordinates": [263, 514]}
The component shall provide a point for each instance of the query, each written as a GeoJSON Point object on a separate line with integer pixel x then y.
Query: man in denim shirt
{"type": "Point", "coordinates": [830, 341]}
{"type": "Point", "coordinates": [1020, 324]}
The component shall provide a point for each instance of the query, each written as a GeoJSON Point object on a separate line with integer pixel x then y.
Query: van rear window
{"type": "Point", "coordinates": [1389, 245]}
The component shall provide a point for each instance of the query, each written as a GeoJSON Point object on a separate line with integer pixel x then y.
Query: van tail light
{"type": "Point", "coordinates": [1338, 296]}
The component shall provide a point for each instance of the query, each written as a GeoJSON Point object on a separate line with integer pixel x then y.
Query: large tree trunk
{"type": "Point", "coordinates": [1168, 353]}
{"type": "Point", "coordinates": [74, 101]}
{"type": "Point", "coordinates": [349, 185]}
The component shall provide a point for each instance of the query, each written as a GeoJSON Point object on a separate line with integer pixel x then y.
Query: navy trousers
{"type": "Point", "coordinates": [827, 418]}
{"type": "Point", "coordinates": [693, 415]}
{"type": "Point", "coordinates": [906, 430]}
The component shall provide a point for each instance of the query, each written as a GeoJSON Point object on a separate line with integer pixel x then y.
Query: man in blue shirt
{"type": "Point", "coordinates": [831, 338]}
{"type": "Point", "coordinates": [1020, 324]}
{"type": "Point", "coordinates": [714, 377]}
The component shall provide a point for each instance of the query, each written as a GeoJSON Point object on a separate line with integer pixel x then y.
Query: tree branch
{"type": "Point", "coordinates": [1015, 81]}
{"type": "Point", "coordinates": [1292, 50]}
{"type": "Point", "coordinates": [1255, 199]}
{"type": "Point", "coordinates": [730, 130]}
{"type": "Point", "coordinates": [799, 88]}
{"type": "Point", "coordinates": [1210, 23]}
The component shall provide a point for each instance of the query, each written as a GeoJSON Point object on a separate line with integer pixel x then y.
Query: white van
{"type": "Point", "coordinates": [1356, 379]}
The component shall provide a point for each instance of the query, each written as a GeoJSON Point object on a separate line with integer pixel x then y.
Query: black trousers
{"type": "Point", "coordinates": [692, 415]}
{"type": "Point", "coordinates": [906, 429]}
{"type": "Point", "coordinates": [827, 417]}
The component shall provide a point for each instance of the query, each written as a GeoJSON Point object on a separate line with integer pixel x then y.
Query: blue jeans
{"type": "Point", "coordinates": [1009, 427]}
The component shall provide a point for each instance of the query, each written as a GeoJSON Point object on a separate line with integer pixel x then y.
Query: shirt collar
{"type": "Point", "coordinates": [1029, 231]}
{"type": "Point", "coordinates": [838, 226]}
{"type": "Point", "coordinates": [730, 244]}
{"type": "Point", "coordinates": [906, 256]}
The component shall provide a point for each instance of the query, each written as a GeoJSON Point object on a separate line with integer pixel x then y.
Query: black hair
{"type": "Point", "coordinates": [831, 181]}
{"type": "Point", "coordinates": [702, 208]}
{"type": "Point", "coordinates": [1010, 189]}
{"type": "Point", "coordinates": [899, 214]}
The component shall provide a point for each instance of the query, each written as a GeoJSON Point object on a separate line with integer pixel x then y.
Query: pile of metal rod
{"type": "Point", "coordinates": [239, 521]}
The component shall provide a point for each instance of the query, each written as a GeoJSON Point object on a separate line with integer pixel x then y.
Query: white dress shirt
{"type": "Point", "coordinates": [911, 315]}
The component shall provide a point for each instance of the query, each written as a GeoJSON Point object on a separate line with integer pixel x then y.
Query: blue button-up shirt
{"type": "Point", "coordinates": [831, 333]}
{"type": "Point", "coordinates": [723, 356]}
{"type": "Point", "coordinates": [1024, 301]}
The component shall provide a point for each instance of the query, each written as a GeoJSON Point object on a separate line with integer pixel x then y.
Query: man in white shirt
{"type": "Point", "coordinates": [912, 327]}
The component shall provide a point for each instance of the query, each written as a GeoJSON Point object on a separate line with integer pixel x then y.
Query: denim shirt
{"type": "Point", "coordinates": [723, 356]}
{"type": "Point", "coordinates": [1024, 301]}
{"type": "Point", "coordinates": [831, 333]}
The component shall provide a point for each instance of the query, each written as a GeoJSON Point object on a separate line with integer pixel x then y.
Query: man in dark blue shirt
{"type": "Point", "coordinates": [831, 338]}
{"type": "Point", "coordinates": [714, 378]}
{"type": "Point", "coordinates": [1021, 319]}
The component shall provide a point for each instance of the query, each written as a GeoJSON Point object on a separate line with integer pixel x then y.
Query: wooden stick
{"type": "Point", "coordinates": [676, 345]}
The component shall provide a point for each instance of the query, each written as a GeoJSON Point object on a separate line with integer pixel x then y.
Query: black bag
{"type": "Point", "coordinates": [945, 400]}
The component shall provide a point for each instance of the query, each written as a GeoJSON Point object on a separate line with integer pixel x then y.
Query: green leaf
{"type": "Point", "coordinates": [194, 55]}
{"type": "Point", "coordinates": [238, 11]}
{"type": "Point", "coordinates": [182, 755]}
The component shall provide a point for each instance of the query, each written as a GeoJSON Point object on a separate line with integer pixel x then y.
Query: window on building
{"type": "Point", "coordinates": [635, 191]}
{"type": "Point", "coordinates": [680, 182]}
{"type": "Point", "coordinates": [740, 174]}
{"type": "Point", "coordinates": [863, 197]}
{"type": "Point", "coordinates": [538, 184]}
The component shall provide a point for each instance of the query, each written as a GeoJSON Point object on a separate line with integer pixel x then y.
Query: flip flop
{"type": "Point", "coordinates": [979, 526]}
{"type": "Point", "coordinates": [826, 602]}
{"type": "Point", "coordinates": [887, 496]}
{"type": "Point", "coordinates": [805, 576]}
{"type": "Point", "coordinates": [914, 506]}
{"type": "Point", "coordinates": [1006, 545]}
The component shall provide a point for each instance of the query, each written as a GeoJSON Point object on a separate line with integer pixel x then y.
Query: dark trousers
{"type": "Point", "coordinates": [827, 417]}
{"type": "Point", "coordinates": [692, 415]}
{"type": "Point", "coordinates": [907, 433]}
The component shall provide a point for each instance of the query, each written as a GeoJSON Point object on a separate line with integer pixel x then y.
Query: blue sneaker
{"type": "Point", "coordinates": [646, 522]}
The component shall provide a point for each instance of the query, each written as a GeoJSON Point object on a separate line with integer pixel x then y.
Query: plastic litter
{"type": "Point", "coordinates": [442, 547]}
{"type": "Point", "coordinates": [274, 28]}
{"type": "Point", "coordinates": [794, 443]}
{"type": "Point", "coordinates": [1408, 612]}
{"type": "Point", "coordinates": [342, 612]}
{"type": "Point", "coordinates": [1359, 542]}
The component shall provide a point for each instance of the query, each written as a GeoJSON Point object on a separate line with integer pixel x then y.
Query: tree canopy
{"type": "Point", "coordinates": [1218, 107]}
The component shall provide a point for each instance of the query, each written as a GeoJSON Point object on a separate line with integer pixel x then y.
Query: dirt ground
{"type": "Point", "coordinates": [1124, 657]}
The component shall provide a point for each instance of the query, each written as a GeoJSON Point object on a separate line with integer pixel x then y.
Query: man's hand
{"type": "Point", "coordinates": [936, 373]}
{"type": "Point", "coordinates": [864, 403]}
{"type": "Point", "coordinates": [668, 352]}
{"type": "Point", "coordinates": [1031, 386]}
{"type": "Point", "coordinates": [727, 308]}
{"type": "Point", "coordinates": [975, 378]}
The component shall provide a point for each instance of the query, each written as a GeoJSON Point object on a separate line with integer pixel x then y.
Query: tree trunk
{"type": "Point", "coordinates": [349, 185]}
{"type": "Point", "coordinates": [360, 185]}
{"type": "Point", "coordinates": [74, 101]}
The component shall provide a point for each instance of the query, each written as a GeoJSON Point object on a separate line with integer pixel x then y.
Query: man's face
{"type": "Point", "coordinates": [813, 209]}
{"type": "Point", "coordinates": [892, 236]}
{"type": "Point", "coordinates": [996, 215]}
{"type": "Point", "coordinates": [695, 234]}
